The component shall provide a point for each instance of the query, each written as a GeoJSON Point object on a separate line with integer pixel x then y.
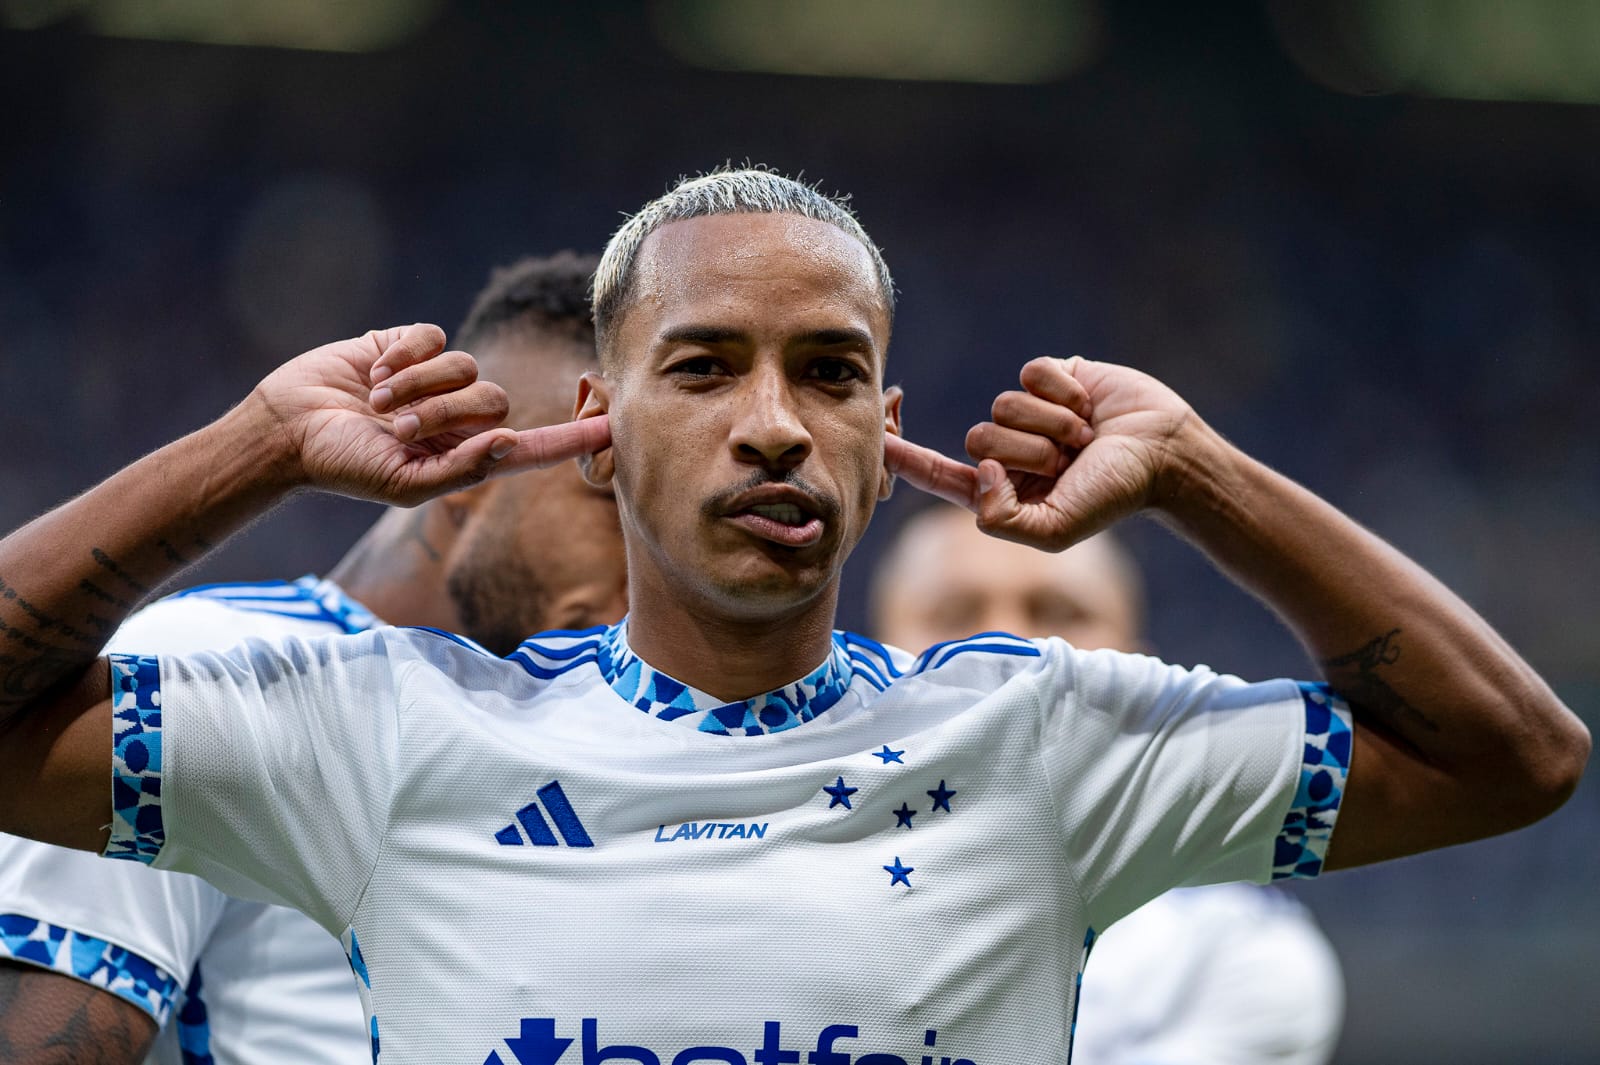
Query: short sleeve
{"type": "Point", "coordinates": [1167, 776]}
{"type": "Point", "coordinates": [127, 930]}
{"type": "Point", "coordinates": [266, 769]}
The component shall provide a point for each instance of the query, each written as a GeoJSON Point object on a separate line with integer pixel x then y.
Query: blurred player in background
{"type": "Point", "coordinates": [96, 956]}
{"type": "Point", "coordinates": [1229, 973]}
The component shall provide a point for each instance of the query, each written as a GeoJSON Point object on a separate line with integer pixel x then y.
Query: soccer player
{"type": "Point", "coordinates": [1231, 972]}
{"type": "Point", "coordinates": [718, 832]}
{"type": "Point", "coordinates": [99, 951]}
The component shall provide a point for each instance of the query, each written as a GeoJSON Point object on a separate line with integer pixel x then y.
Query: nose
{"type": "Point", "coordinates": [1005, 617]}
{"type": "Point", "coordinates": [767, 427]}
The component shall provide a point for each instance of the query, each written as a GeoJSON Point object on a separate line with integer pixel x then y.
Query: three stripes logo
{"type": "Point", "coordinates": [537, 829]}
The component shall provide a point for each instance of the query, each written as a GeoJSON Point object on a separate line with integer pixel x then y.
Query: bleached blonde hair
{"type": "Point", "coordinates": [748, 190]}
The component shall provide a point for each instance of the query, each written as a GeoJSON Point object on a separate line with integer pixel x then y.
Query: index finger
{"type": "Point", "coordinates": [929, 471]}
{"type": "Point", "coordinates": [405, 346]}
{"type": "Point", "coordinates": [1056, 380]}
{"type": "Point", "coordinates": [553, 444]}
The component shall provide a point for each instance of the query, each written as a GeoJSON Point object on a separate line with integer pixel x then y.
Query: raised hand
{"type": "Point", "coordinates": [1082, 445]}
{"type": "Point", "coordinates": [394, 417]}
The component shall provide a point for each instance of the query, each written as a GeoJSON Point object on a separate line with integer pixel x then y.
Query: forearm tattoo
{"type": "Point", "coordinates": [40, 649]}
{"type": "Point", "coordinates": [51, 1019]}
{"type": "Point", "coordinates": [1356, 676]}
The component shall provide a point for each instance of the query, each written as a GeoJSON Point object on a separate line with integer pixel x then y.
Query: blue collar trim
{"type": "Point", "coordinates": [657, 694]}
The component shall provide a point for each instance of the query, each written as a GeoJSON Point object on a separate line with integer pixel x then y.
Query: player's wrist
{"type": "Point", "coordinates": [255, 447]}
{"type": "Point", "coordinates": [1200, 471]}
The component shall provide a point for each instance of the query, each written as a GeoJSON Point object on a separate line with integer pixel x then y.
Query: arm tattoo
{"type": "Point", "coordinates": [173, 554]}
{"type": "Point", "coordinates": [110, 565]}
{"type": "Point", "coordinates": [1354, 675]}
{"type": "Point", "coordinates": [48, 1018]}
{"type": "Point", "coordinates": [40, 651]}
{"type": "Point", "coordinates": [92, 589]}
{"type": "Point", "coordinates": [24, 678]}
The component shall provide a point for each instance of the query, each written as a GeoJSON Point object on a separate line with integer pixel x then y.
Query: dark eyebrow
{"type": "Point", "coordinates": [714, 336]}
{"type": "Point", "coordinates": [831, 338]}
{"type": "Point", "coordinates": [708, 335]}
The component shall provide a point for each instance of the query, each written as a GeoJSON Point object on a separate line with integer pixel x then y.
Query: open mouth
{"type": "Point", "coordinates": [783, 513]}
{"type": "Point", "coordinates": [781, 521]}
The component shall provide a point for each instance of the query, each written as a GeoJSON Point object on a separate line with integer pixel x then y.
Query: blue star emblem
{"type": "Point", "coordinates": [899, 874]}
{"type": "Point", "coordinates": [889, 755]}
{"type": "Point", "coordinates": [841, 794]}
{"type": "Point", "coordinates": [941, 797]}
{"type": "Point", "coordinates": [905, 814]}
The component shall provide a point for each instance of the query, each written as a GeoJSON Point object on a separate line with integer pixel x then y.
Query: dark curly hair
{"type": "Point", "coordinates": [547, 294]}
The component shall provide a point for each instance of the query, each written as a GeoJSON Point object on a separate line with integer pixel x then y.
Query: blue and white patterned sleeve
{"type": "Point", "coordinates": [97, 962]}
{"type": "Point", "coordinates": [1302, 844]}
{"type": "Point", "coordinates": [1167, 776]}
{"type": "Point", "coordinates": [266, 769]}
{"type": "Point", "coordinates": [117, 926]}
{"type": "Point", "coordinates": [136, 822]}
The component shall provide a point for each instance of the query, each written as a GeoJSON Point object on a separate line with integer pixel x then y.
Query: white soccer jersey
{"type": "Point", "coordinates": [1232, 973]}
{"type": "Point", "coordinates": [564, 857]}
{"type": "Point", "coordinates": [229, 981]}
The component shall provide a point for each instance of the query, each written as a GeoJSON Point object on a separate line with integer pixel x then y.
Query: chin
{"type": "Point", "coordinates": [768, 591]}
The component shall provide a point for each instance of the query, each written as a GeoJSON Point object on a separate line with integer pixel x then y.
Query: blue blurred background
{"type": "Point", "coordinates": [1360, 238]}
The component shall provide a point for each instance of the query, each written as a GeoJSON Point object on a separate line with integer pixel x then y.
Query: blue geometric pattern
{"type": "Point", "coordinates": [358, 965]}
{"type": "Point", "coordinates": [659, 695]}
{"type": "Point", "coordinates": [308, 597]}
{"type": "Point", "coordinates": [1077, 990]}
{"type": "Point", "coordinates": [94, 961]}
{"type": "Point", "coordinates": [1303, 842]}
{"type": "Point", "coordinates": [194, 1024]}
{"type": "Point", "coordinates": [136, 828]}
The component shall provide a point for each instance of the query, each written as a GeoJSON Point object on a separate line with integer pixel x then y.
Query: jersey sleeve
{"type": "Point", "coordinates": [130, 931]}
{"type": "Point", "coordinates": [1165, 776]}
{"type": "Point", "coordinates": [135, 932]}
{"type": "Point", "coordinates": [267, 769]}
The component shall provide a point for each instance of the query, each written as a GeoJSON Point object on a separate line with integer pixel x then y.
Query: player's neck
{"type": "Point", "coordinates": [729, 657]}
{"type": "Point", "coordinates": [396, 571]}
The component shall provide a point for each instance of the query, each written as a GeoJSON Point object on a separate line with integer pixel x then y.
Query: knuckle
{"type": "Point", "coordinates": [1036, 370]}
{"type": "Point", "coordinates": [1008, 405]}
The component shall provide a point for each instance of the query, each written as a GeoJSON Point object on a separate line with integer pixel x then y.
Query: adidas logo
{"type": "Point", "coordinates": [538, 830]}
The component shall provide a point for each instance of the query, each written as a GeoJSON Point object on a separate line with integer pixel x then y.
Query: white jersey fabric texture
{"type": "Point", "coordinates": [230, 982]}
{"type": "Point", "coordinates": [566, 857]}
{"type": "Point", "coordinates": [1231, 973]}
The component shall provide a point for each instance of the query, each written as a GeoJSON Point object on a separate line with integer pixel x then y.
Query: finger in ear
{"type": "Point", "coordinates": [599, 468]}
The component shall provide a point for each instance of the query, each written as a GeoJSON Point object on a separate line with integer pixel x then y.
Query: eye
{"type": "Point", "coordinates": [696, 366]}
{"type": "Point", "coordinates": [1052, 613]}
{"type": "Point", "coordinates": [835, 371]}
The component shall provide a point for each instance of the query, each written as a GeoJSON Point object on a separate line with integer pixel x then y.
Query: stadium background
{"type": "Point", "coordinates": [1362, 242]}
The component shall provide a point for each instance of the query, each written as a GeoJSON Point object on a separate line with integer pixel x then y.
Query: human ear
{"type": "Point", "coordinates": [892, 398]}
{"type": "Point", "coordinates": [594, 399]}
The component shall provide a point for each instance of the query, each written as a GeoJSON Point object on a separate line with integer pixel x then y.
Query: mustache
{"type": "Point", "coordinates": [821, 504]}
